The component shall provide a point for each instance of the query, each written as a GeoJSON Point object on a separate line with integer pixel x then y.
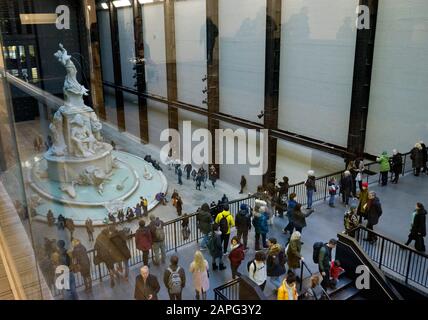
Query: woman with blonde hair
{"type": "Point", "coordinates": [199, 269]}
{"type": "Point", "coordinates": [293, 252]}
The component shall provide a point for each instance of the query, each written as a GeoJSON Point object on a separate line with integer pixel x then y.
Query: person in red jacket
{"type": "Point", "coordinates": [236, 256]}
{"type": "Point", "coordinates": [335, 271]}
{"type": "Point", "coordinates": [143, 241]}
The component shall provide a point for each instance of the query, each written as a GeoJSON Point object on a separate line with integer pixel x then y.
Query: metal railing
{"type": "Point", "coordinates": [228, 291]}
{"type": "Point", "coordinates": [173, 240]}
{"type": "Point", "coordinates": [374, 167]}
{"type": "Point", "coordinates": [304, 267]}
{"type": "Point", "coordinates": [398, 259]}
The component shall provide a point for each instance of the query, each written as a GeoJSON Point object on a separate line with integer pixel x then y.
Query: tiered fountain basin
{"type": "Point", "coordinates": [88, 201]}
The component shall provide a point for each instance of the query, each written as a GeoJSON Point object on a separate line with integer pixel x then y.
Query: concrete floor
{"type": "Point", "coordinates": [397, 202]}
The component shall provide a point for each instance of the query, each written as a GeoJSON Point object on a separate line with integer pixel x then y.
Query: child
{"type": "Point", "coordinates": [332, 190]}
{"type": "Point", "coordinates": [335, 271]}
{"type": "Point", "coordinates": [185, 229]}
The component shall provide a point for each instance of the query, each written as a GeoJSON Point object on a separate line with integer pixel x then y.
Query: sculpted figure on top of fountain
{"type": "Point", "coordinates": [73, 90]}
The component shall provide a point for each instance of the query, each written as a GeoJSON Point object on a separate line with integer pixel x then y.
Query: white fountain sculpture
{"type": "Point", "coordinates": [80, 175]}
{"type": "Point", "coordinates": [77, 146]}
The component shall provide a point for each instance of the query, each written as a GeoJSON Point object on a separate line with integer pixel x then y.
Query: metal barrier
{"type": "Point", "coordinates": [228, 291]}
{"type": "Point", "coordinates": [173, 240]}
{"type": "Point", "coordinates": [400, 260]}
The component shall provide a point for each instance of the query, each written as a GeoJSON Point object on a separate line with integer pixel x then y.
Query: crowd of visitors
{"type": "Point", "coordinates": [276, 260]}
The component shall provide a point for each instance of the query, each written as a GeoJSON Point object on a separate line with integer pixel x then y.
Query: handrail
{"type": "Point", "coordinates": [303, 264]}
{"type": "Point", "coordinates": [376, 273]}
{"type": "Point", "coordinates": [402, 261]}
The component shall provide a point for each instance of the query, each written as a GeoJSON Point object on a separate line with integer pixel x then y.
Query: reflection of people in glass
{"type": "Point", "coordinates": [212, 34]}
{"type": "Point", "coordinates": [346, 30]}
{"type": "Point", "coordinates": [297, 26]}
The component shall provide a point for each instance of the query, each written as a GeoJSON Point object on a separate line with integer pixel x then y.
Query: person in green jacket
{"type": "Point", "coordinates": [383, 160]}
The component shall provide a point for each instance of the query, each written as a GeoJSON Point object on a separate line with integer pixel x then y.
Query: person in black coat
{"type": "Point", "coordinates": [299, 218]}
{"type": "Point", "coordinates": [373, 213]}
{"type": "Point", "coordinates": [396, 165]}
{"type": "Point", "coordinates": [146, 285]}
{"type": "Point", "coordinates": [243, 224]}
{"type": "Point", "coordinates": [418, 228]}
{"type": "Point", "coordinates": [275, 262]}
{"type": "Point", "coordinates": [424, 157]}
{"type": "Point", "coordinates": [417, 159]}
{"type": "Point", "coordinates": [346, 187]}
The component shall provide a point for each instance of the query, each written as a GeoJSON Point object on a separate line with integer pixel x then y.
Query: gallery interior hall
{"type": "Point", "coordinates": [278, 135]}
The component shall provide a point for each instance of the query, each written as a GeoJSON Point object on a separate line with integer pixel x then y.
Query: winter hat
{"type": "Point", "coordinates": [311, 173]}
{"type": "Point", "coordinates": [394, 152]}
{"type": "Point", "coordinates": [365, 185]}
{"type": "Point", "coordinates": [353, 206]}
{"type": "Point", "coordinates": [243, 206]}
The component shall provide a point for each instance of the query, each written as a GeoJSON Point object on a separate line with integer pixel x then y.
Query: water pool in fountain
{"type": "Point", "coordinates": [88, 201]}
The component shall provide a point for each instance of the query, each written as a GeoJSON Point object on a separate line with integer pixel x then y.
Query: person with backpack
{"type": "Point", "coordinates": [243, 224]}
{"type": "Point", "coordinates": [260, 223]}
{"type": "Point", "coordinates": [322, 257]}
{"type": "Point", "coordinates": [275, 262]}
{"type": "Point", "coordinates": [236, 256]}
{"type": "Point", "coordinates": [174, 279]}
{"type": "Point", "coordinates": [294, 248]}
{"type": "Point", "coordinates": [290, 208]}
{"type": "Point", "coordinates": [158, 238]}
{"type": "Point", "coordinates": [257, 269]}
{"type": "Point", "coordinates": [215, 248]}
{"type": "Point", "coordinates": [311, 187]}
{"type": "Point", "coordinates": [143, 240]}
{"type": "Point", "coordinates": [225, 220]}
{"type": "Point", "coordinates": [396, 165]}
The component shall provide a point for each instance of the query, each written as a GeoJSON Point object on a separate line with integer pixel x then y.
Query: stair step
{"type": "Point", "coordinates": [341, 284]}
{"type": "Point", "coordinates": [345, 294]}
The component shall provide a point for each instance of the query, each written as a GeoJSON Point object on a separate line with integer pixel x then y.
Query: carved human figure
{"type": "Point", "coordinates": [71, 85]}
{"type": "Point", "coordinates": [82, 138]}
{"type": "Point", "coordinates": [58, 147]}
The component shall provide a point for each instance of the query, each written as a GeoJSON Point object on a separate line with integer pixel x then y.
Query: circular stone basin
{"type": "Point", "coordinates": [60, 203]}
{"type": "Point", "coordinates": [88, 195]}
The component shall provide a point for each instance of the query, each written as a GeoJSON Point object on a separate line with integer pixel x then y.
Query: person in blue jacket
{"type": "Point", "coordinates": [260, 223]}
{"type": "Point", "coordinates": [290, 208]}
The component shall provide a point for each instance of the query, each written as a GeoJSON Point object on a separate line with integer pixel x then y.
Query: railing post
{"type": "Point", "coordinates": [381, 253]}
{"type": "Point", "coordinates": [175, 236]}
{"type": "Point", "coordinates": [301, 276]}
{"type": "Point", "coordinates": [99, 271]}
{"type": "Point", "coordinates": [404, 165]}
{"type": "Point", "coordinates": [408, 267]}
{"type": "Point", "coordinates": [325, 188]}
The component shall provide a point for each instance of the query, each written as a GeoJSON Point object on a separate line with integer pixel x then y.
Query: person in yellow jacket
{"type": "Point", "coordinates": [288, 289]}
{"type": "Point", "coordinates": [225, 220]}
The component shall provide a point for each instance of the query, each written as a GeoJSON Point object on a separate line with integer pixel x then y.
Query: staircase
{"type": "Point", "coordinates": [345, 290]}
